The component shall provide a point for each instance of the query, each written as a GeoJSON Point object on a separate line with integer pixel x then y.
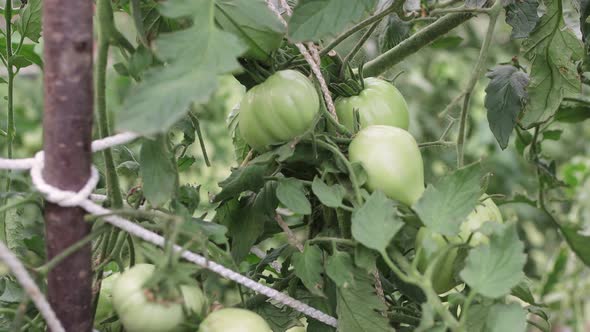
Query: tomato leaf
{"type": "Point", "coordinates": [553, 50]}
{"type": "Point", "coordinates": [250, 177]}
{"type": "Point", "coordinates": [505, 98]}
{"type": "Point", "coordinates": [330, 196]}
{"type": "Point", "coordinates": [316, 19]}
{"type": "Point", "coordinates": [194, 58]}
{"type": "Point", "coordinates": [339, 268]}
{"type": "Point", "coordinates": [557, 271]}
{"type": "Point", "coordinates": [443, 207]}
{"type": "Point", "coordinates": [375, 223]}
{"type": "Point", "coordinates": [573, 111]}
{"type": "Point", "coordinates": [291, 193]}
{"type": "Point", "coordinates": [254, 23]}
{"type": "Point", "coordinates": [358, 306]}
{"type": "Point", "coordinates": [523, 291]}
{"type": "Point", "coordinates": [494, 269]}
{"type": "Point", "coordinates": [28, 23]}
{"type": "Point", "coordinates": [506, 317]}
{"type": "Point", "coordinates": [158, 172]}
{"type": "Point", "coordinates": [396, 31]}
{"type": "Point", "coordinates": [308, 267]}
{"type": "Point", "coordinates": [522, 16]}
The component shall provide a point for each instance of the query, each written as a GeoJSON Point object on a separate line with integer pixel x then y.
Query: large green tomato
{"type": "Point", "coordinates": [443, 278]}
{"type": "Point", "coordinates": [139, 312]}
{"type": "Point", "coordinates": [234, 320]}
{"type": "Point", "coordinates": [278, 110]}
{"type": "Point", "coordinates": [380, 103]}
{"type": "Point", "coordinates": [392, 160]}
{"type": "Point", "coordinates": [104, 307]}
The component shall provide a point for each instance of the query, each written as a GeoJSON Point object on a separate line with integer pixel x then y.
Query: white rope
{"type": "Point", "coordinates": [315, 68]}
{"type": "Point", "coordinates": [30, 288]}
{"type": "Point", "coordinates": [83, 198]}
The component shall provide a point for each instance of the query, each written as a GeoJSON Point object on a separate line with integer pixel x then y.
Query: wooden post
{"type": "Point", "coordinates": [67, 124]}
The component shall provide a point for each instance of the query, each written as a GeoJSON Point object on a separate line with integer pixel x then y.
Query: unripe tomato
{"type": "Point", "coordinates": [483, 212]}
{"type": "Point", "coordinates": [104, 307]}
{"type": "Point", "coordinates": [140, 313]}
{"type": "Point", "coordinates": [278, 110]}
{"type": "Point", "coordinates": [234, 320]}
{"type": "Point", "coordinates": [392, 160]}
{"type": "Point", "coordinates": [380, 103]}
{"type": "Point", "coordinates": [443, 279]}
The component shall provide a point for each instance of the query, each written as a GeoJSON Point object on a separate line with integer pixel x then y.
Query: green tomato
{"type": "Point", "coordinates": [139, 312]}
{"type": "Point", "coordinates": [104, 307]}
{"type": "Point", "coordinates": [234, 320]}
{"type": "Point", "coordinates": [278, 110]}
{"type": "Point", "coordinates": [380, 103]}
{"type": "Point", "coordinates": [443, 278]}
{"type": "Point", "coordinates": [392, 160]}
{"type": "Point", "coordinates": [485, 211]}
{"type": "Point", "coordinates": [433, 243]}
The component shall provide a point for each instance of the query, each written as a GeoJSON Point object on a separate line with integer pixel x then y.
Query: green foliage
{"type": "Point", "coordinates": [553, 50]}
{"type": "Point", "coordinates": [446, 205]}
{"type": "Point", "coordinates": [315, 19]}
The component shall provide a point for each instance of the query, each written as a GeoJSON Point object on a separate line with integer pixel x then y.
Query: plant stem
{"type": "Point", "coordinates": [465, 307]}
{"type": "Point", "coordinates": [113, 190]}
{"type": "Point", "coordinates": [336, 240]}
{"type": "Point", "coordinates": [534, 156]}
{"type": "Point", "coordinates": [477, 71]}
{"type": "Point", "coordinates": [353, 179]}
{"type": "Point", "coordinates": [11, 126]}
{"type": "Point", "coordinates": [357, 48]}
{"type": "Point", "coordinates": [461, 9]}
{"type": "Point", "coordinates": [411, 45]}
{"type": "Point", "coordinates": [373, 19]}
{"type": "Point", "coordinates": [436, 143]}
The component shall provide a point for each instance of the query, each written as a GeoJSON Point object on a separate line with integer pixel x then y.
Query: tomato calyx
{"type": "Point", "coordinates": [351, 86]}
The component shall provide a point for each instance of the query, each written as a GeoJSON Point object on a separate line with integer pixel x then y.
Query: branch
{"type": "Point", "coordinates": [477, 71]}
{"type": "Point", "coordinates": [414, 43]}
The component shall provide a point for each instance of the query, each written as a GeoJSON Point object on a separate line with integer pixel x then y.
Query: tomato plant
{"type": "Point", "coordinates": [445, 251]}
{"type": "Point", "coordinates": [392, 160]}
{"type": "Point", "coordinates": [140, 309]}
{"type": "Point", "coordinates": [280, 109]}
{"type": "Point", "coordinates": [379, 103]}
{"type": "Point", "coordinates": [269, 140]}
{"type": "Point", "coordinates": [233, 320]}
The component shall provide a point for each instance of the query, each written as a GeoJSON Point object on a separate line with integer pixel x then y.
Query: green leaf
{"type": "Point", "coordinates": [523, 291]}
{"type": "Point", "coordinates": [448, 42]}
{"type": "Point", "coordinates": [291, 193]}
{"type": "Point", "coordinates": [254, 23]}
{"type": "Point", "coordinates": [194, 59]}
{"type": "Point", "coordinates": [375, 223]}
{"type": "Point", "coordinates": [307, 266]}
{"type": "Point", "coordinates": [559, 266]}
{"type": "Point", "coordinates": [330, 196]}
{"type": "Point", "coordinates": [505, 98]}
{"type": "Point", "coordinates": [553, 135]}
{"type": "Point", "coordinates": [313, 20]}
{"type": "Point", "coordinates": [506, 317]}
{"type": "Point", "coordinates": [443, 207]}
{"type": "Point", "coordinates": [28, 23]}
{"type": "Point", "coordinates": [577, 240]}
{"type": "Point", "coordinates": [250, 177]}
{"type": "Point", "coordinates": [396, 31]}
{"type": "Point", "coordinates": [12, 292]}
{"type": "Point", "coordinates": [339, 268]}
{"type": "Point", "coordinates": [522, 16]}
{"type": "Point", "coordinates": [25, 57]}
{"type": "Point", "coordinates": [573, 111]}
{"type": "Point", "coordinates": [358, 306]}
{"type": "Point", "coordinates": [553, 50]}
{"type": "Point", "coordinates": [158, 171]}
{"type": "Point", "coordinates": [494, 269]}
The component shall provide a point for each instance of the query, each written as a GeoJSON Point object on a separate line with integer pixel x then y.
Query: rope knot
{"type": "Point", "coordinates": [65, 198]}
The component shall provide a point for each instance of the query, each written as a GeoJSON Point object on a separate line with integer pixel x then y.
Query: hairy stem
{"type": "Point", "coordinates": [411, 45]}
{"type": "Point", "coordinates": [11, 126]}
{"type": "Point", "coordinates": [477, 72]}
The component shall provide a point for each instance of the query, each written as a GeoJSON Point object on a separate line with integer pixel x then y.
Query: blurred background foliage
{"type": "Point", "coordinates": [429, 80]}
